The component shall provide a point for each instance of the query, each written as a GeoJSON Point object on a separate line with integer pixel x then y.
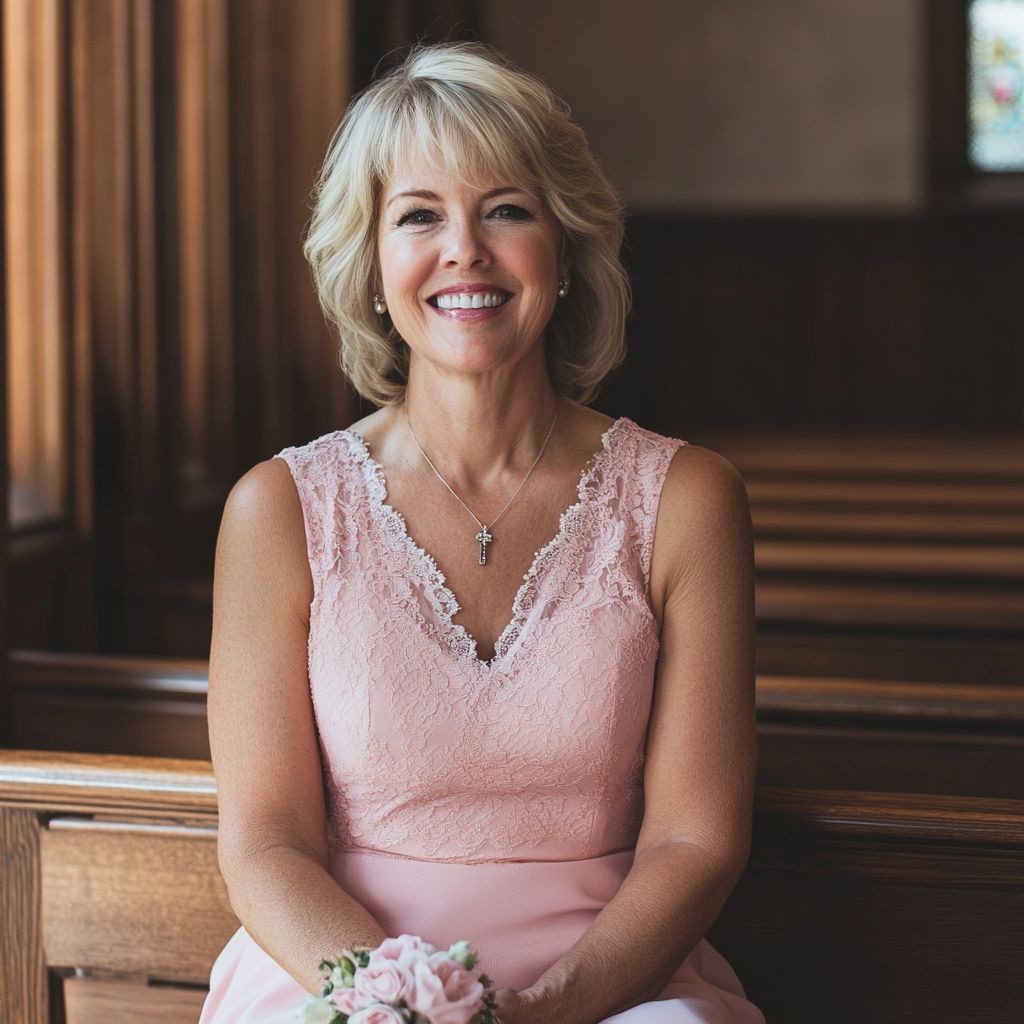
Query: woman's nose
{"type": "Point", "coordinates": [464, 244]}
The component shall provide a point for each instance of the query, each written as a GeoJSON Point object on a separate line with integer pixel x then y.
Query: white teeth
{"type": "Point", "coordinates": [470, 300]}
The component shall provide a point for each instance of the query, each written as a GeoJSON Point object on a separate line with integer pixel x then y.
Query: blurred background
{"type": "Point", "coordinates": [826, 241]}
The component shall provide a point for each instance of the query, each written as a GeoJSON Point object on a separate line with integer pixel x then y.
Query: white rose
{"type": "Point", "coordinates": [315, 1010]}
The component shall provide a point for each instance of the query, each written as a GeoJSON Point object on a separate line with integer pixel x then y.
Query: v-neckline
{"type": "Point", "coordinates": [454, 636]}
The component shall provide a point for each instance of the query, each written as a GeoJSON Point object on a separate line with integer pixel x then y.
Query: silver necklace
{"type": "Point", "coordinates": [484, 537]}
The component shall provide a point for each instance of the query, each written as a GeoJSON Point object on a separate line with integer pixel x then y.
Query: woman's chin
{"type": "Point", "coordinates": [471, 357]}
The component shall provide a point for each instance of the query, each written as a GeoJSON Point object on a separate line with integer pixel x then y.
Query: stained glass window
{"type": "Point", "coordinates": [996, 85]}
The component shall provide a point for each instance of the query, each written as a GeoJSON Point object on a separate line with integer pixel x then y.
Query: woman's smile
{"type": "Point", "coordinates": [470, 303]}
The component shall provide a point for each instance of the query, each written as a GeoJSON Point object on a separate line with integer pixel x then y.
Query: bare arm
{"type": "Point", "coordinates": [701, 754]}
{"type": "Point", "coordinates": [273, 835]}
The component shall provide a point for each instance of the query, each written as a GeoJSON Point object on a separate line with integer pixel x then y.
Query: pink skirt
{"type": "Point", "coordinates": [520, 917]}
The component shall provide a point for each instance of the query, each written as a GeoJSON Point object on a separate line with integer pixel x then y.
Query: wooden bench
{"type": "Point", "coordinates": [818, 733]}
{"type": "Point", "coordinates": [113, 905]}
{"type": "Point", "coordinates": [855, 906]}
{"type": "Point", "coordinates": [889, 736]}
{"type": "Point", "coordinates": [154, 707]}
{"type": "Point", "coordinates": [887, 557]}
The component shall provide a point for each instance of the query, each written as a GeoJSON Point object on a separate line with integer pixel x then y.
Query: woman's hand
{"type": "Point", "coordinates": [515, 1007]}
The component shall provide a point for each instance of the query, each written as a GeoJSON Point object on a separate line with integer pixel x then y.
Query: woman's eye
{"type": "Point", "coordinates": [509, 211]}
{"type": "Point", "coordinates": [418, 217]}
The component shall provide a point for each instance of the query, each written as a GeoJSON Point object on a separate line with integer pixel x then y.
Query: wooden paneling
{"type": "Point", "coordinates": [23, 981]}
{"type": "Point", "coordinates": [874, 654]}
{"type": "Point", "coordinates": [50, 490]}
{"type": "Point", "coordinates": [35, 71]}
{"type": "Point", "coordinates": [824, 323]}
{"type": "Point", "coordinates": [107, 902]}
{"type": "Point", "coordinates": [91, 1000]}
{"type": "Point", "coordinates": [382, 29]}
{"type": "Point", "coordinates": [195, 346]}
{"type": "Point", "coordinates": [288, 89]}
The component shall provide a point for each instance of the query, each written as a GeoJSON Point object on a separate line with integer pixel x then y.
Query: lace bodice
{"type": "Point", "coordinates": [433, 754]}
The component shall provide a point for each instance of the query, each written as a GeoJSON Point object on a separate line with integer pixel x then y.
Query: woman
{"type": "Point", "coordinates": [556, 767]}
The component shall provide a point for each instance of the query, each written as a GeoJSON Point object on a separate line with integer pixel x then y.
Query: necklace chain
{"type": "Point", "coordinates": [484, 537]}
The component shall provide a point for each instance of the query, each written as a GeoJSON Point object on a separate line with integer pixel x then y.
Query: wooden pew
{"type": "Point", "coordinates": [891, 736]}
{"type": "Point", "coordinates": [153, 707]}
{"type": "Point", "coordinates": [817, 733]}
{"type": "Point", "coordinates": [880, 907]}
{"type": "Point", "coordinates": [112, 898]}
{"type": "Point", "coordinates": [855, 906]}
{"type": "Point", "coordinates": [887, 557]}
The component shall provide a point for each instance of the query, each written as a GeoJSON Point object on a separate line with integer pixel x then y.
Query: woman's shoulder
{"type": "Point", "coordinates": [703, 509]}
{"type": "Point", "coordinates": [339, 447]}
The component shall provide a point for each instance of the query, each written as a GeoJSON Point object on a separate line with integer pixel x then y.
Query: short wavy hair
{"type": "Point", "coordinates": [467, 106]}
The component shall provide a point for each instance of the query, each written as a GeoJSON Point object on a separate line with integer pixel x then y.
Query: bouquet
{"type": "Point", "coordinates": [402, 981]}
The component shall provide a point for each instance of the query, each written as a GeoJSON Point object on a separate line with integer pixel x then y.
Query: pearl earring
{"type": "Point", "coordinates": [563, 287]}
{"type": "Point", "coordinates": [380, 307]}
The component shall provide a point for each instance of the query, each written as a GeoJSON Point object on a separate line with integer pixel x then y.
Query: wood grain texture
{"type": "Point", "coordinates": [150, 707]}
{"type": "Point", "coordinates": [133, 897]}
{"type": "Point", "coordinates": [854, 905]}
{"type": "Point", "coordinates": [894, 818]}
{"type": "Point", "coordinates": [95, 673]}
{"type": "Point", "coordinates": [827, 753]}
{"type": "Point", "coordinates": [914, 560]}
{"type": "Point", "coordinates": [23, 977]}
{"type": "Point", "coordinates": [885, 653]}
{"type": "Point", "coordinates": [819, 600]}
{"type": "Point", "coordinates": [891, 908]}
{"type": "Point", "coordinates": [799, 696]}
{"type": "Point", "coordinates": [119, 1001]}
{"type": "Point", "coordinates": [97, 782]}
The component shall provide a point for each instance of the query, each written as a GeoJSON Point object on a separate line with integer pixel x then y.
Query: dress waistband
{"type": "Point", "coordinates": [520, 916]}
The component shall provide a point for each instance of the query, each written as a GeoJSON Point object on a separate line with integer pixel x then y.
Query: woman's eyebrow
{"type": "Point", "coordinates": [419, 193]}
{"type": "Point", "coordinates": [415, 194]}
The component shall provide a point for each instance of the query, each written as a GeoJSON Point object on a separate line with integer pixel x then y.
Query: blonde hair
{"type": "Point", "coordinates": [467, 106]}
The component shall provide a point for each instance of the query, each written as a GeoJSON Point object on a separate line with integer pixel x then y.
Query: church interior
{"type": "Point", "coordinates": [825, 241]}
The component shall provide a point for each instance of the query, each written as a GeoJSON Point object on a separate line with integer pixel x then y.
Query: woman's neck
{"type": "Point", "coordinates": [475, 428]}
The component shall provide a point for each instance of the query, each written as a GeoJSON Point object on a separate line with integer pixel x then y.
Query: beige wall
{"type": "Point", "coordinates": [736, 104]}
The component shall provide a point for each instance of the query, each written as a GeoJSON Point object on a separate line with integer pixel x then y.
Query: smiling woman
{"type": "Point", "coordinates": [557, 763]}
{"type": "Point", "coordinates": [473, 123]}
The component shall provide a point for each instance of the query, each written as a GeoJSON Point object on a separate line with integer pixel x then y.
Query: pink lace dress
{"type": "Point", "coordinates": [492, 801]}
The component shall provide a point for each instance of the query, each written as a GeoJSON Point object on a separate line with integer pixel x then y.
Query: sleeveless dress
{"type": "Point", "coordinates": [496, 801]}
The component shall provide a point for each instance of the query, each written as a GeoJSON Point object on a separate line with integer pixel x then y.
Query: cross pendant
{"type": "Point", "coordinates": [484, 538]}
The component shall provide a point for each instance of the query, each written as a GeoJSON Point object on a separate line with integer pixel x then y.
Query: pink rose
{"type": "Point", "coordinates": [345, 1000]}
{"type": "Point", "coordinates": [407, 949]}
{"type": "Point", "coordinates": [445, 993]}
{"type": "Point", "coordinates": [376, 1014]}
{"type": "Point", "coordinates": [382, 981]}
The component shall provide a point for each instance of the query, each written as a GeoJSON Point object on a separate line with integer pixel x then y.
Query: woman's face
{"type": "Point", "coordinates": [470, 274]}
